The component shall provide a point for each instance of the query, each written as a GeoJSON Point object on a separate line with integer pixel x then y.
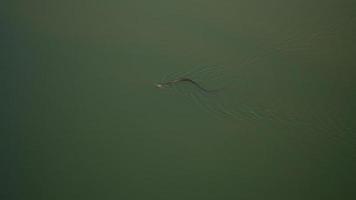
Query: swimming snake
{"type": "Point", "coordinates": [179, 80]}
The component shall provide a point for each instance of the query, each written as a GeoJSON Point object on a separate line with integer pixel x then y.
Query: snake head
{"type": "Point", "coordinates": [160, 86]}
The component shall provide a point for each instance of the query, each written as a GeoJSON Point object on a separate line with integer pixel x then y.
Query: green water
{"type": "Point", "coordinates": [82, 118]}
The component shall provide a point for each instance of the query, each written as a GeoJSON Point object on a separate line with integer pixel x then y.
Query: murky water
{"type": "Point", "coordinates": [84, 120]}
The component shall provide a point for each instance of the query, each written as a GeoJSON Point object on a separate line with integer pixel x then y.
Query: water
{"type": "Point", "coordinates": [84, 120]}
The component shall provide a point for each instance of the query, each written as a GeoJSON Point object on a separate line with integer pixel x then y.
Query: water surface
{"type": "Point", "coordinates": [84, 120]}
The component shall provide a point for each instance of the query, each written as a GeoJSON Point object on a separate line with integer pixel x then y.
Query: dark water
{"type": "Point", "coordinates": [82, 118]}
